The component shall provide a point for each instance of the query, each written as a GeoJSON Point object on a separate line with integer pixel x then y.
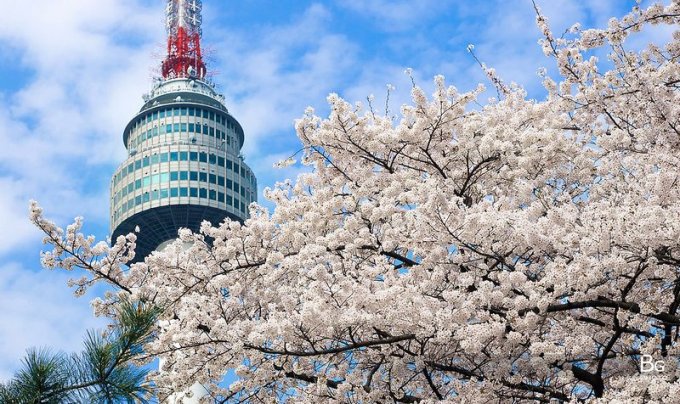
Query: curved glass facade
{"type": "Point", "coordinates": [183, 149]}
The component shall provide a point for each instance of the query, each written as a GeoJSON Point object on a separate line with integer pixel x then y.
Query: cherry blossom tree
{"type": "Point", "coordinates": [518, 250]}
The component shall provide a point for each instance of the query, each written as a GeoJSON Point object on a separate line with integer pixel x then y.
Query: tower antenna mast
{"type": "Point", "coordinates": [183, 23]}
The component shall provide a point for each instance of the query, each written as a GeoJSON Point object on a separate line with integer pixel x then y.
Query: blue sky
{"type": "Point", "coordinates": [72, 73]}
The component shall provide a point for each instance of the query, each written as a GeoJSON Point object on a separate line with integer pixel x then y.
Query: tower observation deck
{"type": "Point", "coordinates": [184, 164]}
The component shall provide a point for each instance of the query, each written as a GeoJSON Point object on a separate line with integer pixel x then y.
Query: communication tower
{"type": "Point", "coordinates": [184, 161]}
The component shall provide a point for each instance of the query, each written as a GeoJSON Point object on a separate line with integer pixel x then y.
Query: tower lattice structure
{"type": "Point", "coordinates": [183, 23]}
{"type": "Point", "coordinates": [184, 164]}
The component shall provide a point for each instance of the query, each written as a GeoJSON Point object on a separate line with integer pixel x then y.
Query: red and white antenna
{"type": "Point", "coordinates": [183, 22]}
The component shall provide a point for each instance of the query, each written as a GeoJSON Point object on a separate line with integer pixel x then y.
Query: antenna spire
{"type": "Point", "coordinates": [183, 23]}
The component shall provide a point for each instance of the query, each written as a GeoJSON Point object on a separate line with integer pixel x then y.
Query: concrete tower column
{"type": "Point", "coordinates": [184, 162]}
{"type": "Point", "coordinates": [183, 167]}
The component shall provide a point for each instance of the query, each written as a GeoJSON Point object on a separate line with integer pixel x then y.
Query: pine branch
{"type": "Point", "coordinates": [103, 372]}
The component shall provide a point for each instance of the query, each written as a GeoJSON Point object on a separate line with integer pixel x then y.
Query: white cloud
{"type": "Point", "coordinates": [505, 36]}
{"type": "Point", "coordinates": [397, 15]}
{"type": "Point", "coordinates": [270, 175]}
{"type": "Point", "coordinates": [83, 66]}
{"type": "Point", "coordinates": [272, 74]}
{"type": "Point", "coordinates": [63, 127]}
{"type": "Point", "coordinates": [56, 319]}
{"type": "Point", "coordinates": [18, 229]}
